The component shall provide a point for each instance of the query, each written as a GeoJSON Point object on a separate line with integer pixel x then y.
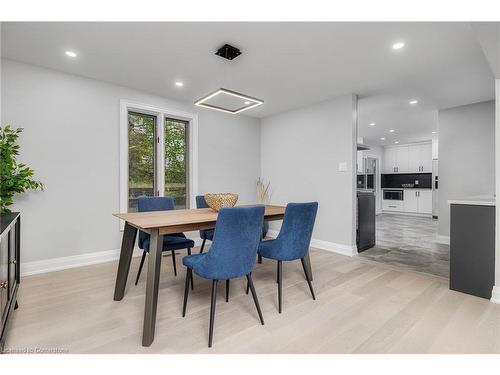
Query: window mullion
{"type": "Point", "coordinates": [160, 155]}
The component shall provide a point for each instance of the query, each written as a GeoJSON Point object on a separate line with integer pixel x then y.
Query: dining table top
{"type": "Point", "coordinates": [197, 218]}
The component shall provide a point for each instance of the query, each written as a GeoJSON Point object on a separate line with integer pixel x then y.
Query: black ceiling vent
{"type": "Point", "coordinates": [228, 52]}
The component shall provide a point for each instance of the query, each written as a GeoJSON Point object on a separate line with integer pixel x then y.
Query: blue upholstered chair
{"type": "Point", "coordinates": [292, 242]}
{"type": "Point", "coordinates": [205, 234]}
{"type": "Point", "coordinates": [171, 242]}
{"type": "Point", "coordinates": [237, 234]}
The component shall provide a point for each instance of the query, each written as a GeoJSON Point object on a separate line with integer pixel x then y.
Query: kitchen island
{"type": "Point", "coordinates": [472, 245]}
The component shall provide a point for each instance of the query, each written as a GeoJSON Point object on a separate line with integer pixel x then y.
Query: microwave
{"type": "Point", "coordinates": [393, 194]}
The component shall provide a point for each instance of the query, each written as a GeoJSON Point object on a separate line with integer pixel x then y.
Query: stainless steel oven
{"type": "Point", "coordinates": [393, 194]}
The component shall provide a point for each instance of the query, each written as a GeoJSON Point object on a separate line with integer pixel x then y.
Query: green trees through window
{"type": "Point", "coordinates": [176, 153]}
{"type": "Point", "coordinates": [144, 179]}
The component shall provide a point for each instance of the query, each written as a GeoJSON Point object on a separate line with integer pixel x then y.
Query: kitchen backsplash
{"type": "Point", "coordinates": [419, 180]}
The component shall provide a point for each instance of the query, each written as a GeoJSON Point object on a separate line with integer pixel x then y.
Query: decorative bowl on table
{"type": "Point", "coordinates": [216, 201]}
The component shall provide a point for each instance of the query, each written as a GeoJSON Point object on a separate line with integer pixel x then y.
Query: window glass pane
{"type": "Point", "coordinates": [176, 162]}
{"type": "Point", "coordinates": [141, 157]}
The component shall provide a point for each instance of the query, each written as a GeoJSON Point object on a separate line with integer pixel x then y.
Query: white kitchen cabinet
{"type": "Point", "coordinates": [396, 159]}
{"type": "Point", "coordinates": [425, 201]}
{"type": "Point", "coordinates": [410, 199]}
{"type": "Point", "coordinates": [413, 158]}
{"type": "Point", "coordinates": [402, 159]}
{"type": "Point", "coordinates": [420, 158]}
{"type": "Point", "coordinates": [390, 160]}
{"type": "Point", "coordinates": [415, 201]}
{"type": "Point", "coordinates": [392, 205]}
{"type": "Point", "coordinates": [426, 157]}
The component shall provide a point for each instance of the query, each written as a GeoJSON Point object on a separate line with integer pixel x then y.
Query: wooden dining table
{"type": "Point", "coordinates": [157, 224]}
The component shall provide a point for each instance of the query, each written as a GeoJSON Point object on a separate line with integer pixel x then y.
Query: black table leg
{"type": "Point", "coordinates": [127, 249]}
{"type": "Point", "coordinates": [152, 285]}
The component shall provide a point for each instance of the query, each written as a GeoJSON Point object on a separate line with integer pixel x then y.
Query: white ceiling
{"type": "Point", "coordinates": [488, 34]}
{"type": "Point", "coordinates": [411, 123]}
{"type": "Point", "coordinates": [288, 65]}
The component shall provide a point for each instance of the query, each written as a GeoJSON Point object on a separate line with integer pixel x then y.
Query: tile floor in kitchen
{"type": "Point", "coordinates": [409, 242]}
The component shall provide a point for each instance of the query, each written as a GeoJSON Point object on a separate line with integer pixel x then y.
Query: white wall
{"type": "Point", "coordinates": [301, 152]}
{"type": "Point", "coordinates": [71, 141]}
{"type": "Point", "coordinates": [466, 155]}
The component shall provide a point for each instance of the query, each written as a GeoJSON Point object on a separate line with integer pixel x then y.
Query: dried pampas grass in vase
{"type": "Point", "coordinates": [263, 192]}
{"type": "Point", "coordinates": [263, 197]}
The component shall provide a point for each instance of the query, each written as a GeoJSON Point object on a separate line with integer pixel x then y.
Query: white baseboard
{"type": "Point", "coordinates": [62, 263]}
{"type": "Point", "coordinates": [443, 239]}
{"type": "Point", "coordinates": [325, 245]}
{"type": "Point", "coordinates": [495, 294]}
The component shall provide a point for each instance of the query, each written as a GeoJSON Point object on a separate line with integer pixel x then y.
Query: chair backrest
{"type": "Point", "coordinates": [296, 231]}
{"type": "Point", "coordinates": [145, 204]}
{"type": "Point", "coordinates": [201, 202]}
{"type": "Point", "coordinates": [237, 235]}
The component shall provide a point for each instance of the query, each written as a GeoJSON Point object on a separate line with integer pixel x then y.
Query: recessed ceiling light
{"type": "Point", "coordinates": [371, 124]}
{"type": "Point", "coordinates": [71, 53]}
{"type": "Point", "coordinates": [179, 84]}
{"type": "Point", "coordinates": [413, 102]}
{"type": "Point", "coordinates": [396, 142]}
{"type": "Point", "coordinates": [247, 102]}
{"type": "Point", "coordinates": [398, 45]}
{"type": "Point", "coordinates": [382, 139]}
{"type": "Point", "coordinates": [391, 131]}
{"type": "Point", "coordinates": [434, 132]}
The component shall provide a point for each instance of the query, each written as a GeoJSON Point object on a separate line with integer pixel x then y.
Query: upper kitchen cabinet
{"type": "Point", "coordinates": [396, 159]}
{"type": "Point", "coordinates": [420, 158]}
{"type": "Point", "coordinates": [413, 158]}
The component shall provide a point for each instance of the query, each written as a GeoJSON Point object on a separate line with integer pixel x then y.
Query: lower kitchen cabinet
{"type": "Point", "coordinates": [425, 201]}
{"type": "Point", "coordinates": [411, 201]}
{"type": "Point", "coordinates": [392, 205]}
{"type": "Point", "coordinates": [415, 201]}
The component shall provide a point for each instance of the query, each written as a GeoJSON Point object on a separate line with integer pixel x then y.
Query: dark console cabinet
{"type": "Point", "coordinates": [10, 226]}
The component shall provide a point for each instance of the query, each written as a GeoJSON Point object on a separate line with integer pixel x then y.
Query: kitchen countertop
{"type": "Point", "coordinates": [478, 200]}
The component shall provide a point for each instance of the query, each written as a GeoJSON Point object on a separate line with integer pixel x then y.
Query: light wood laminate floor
{"type": "Point", "coordinates": [361, 307]}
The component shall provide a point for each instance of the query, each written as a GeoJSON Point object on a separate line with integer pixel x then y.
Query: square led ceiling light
{"type": "Point", "coordinates": [228, 101]}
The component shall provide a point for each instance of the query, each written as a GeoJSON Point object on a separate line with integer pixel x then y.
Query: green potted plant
{"type": "Point", "coordinates": [15, 178]}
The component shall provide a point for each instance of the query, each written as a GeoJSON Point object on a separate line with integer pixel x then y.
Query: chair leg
{"type": "Point", "coordinates": [189, 276]}
{"type": "Point", "coordinates": [259, 258]}
{"type": "Point", "coordinates": [280, 285]}
{"type": "Point", "coordinates": [248, 287]}
{"type": "Point", "coordinates": [212, 313]}
{"type": "Point", "coordinates": [278, 272]}
{"type": "Point", "coordinates": [227, 290]}
{"type": "Point", "coordinates": [173, 261]}
{"type": "Point", "coordinates": [140, 267]}
{"type": "Point", "coordinates": [308, 278]}
{"type": "Point", "coordinates": [254, 295]}
{"type": "Point", "coordinates": [192, 283]}
{"type": "Point", "coordinates": [202, 245]}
